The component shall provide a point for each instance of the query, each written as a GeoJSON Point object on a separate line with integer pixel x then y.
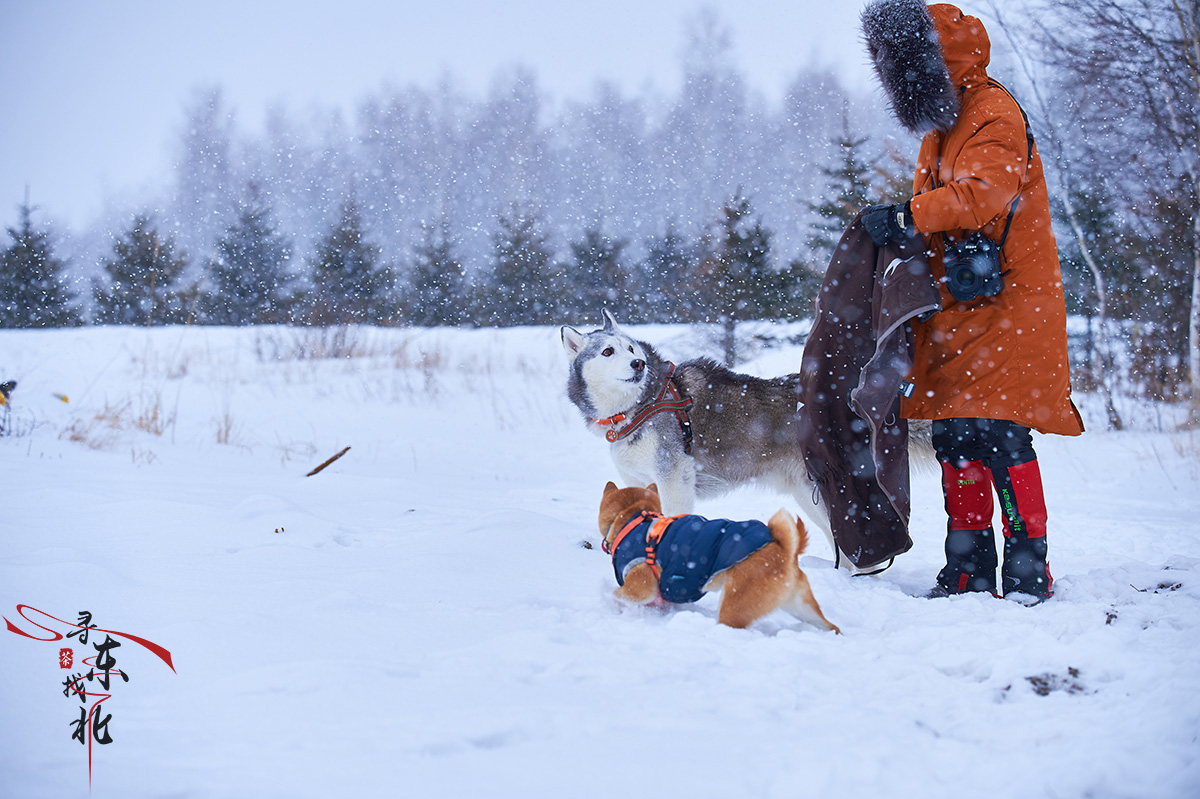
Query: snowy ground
{"type": "Point", "coordinates": [420, 619]}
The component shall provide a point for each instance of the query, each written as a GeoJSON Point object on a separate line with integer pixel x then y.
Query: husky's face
{"type": "Point", "coordinates": [608, 369]}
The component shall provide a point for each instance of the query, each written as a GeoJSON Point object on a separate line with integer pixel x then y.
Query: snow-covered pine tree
{"type": "Point", "coordinates": [437, 288]}
{"type": "Point", "coordinates": [248, 279]}
{"type": "Point", "coordinates": [33, 291]}
{"type": "Point", "coordinates": [599, 279]}
{"type": "Point", "coordinates": [847, 189]}
{"type": "Point", "coordinates": [524, 289]}
{"type": "Point", "coordinates": [671, 261]}
{"type": "Point", "coordinates": [735, 278]}
{"type": "Point", "coordinates": [143, 280]}
{"type": "Point", "coordinates": [349, 284]}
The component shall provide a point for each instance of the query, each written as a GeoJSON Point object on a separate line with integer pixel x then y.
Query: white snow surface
{"type": "Point", "coordinates": [421, 619]}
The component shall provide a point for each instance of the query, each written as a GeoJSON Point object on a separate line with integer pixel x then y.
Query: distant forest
{"type": "Point", "coordinates": [714, 204]}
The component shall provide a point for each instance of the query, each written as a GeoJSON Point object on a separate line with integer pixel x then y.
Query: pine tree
{"type": "Point", "coordinates": [143, 280]}
{"type": "Point", "coordinates": [248, 276]}
{"type": "Point", "coordinates": [599, 279]}
{"type": "Point", "coordinates": [205, 167]}
{"type": "Point", "coordinates": [894, 181]}
{"type": "Point", "coordinates": [524, 289]}
{"type": "Point", "coordinates": [736, 272]}
{"type": "Point", "coordinates": [437, 282]}
{"type": "Point", "coordinates": [32, 290]}
{"type": "Point", "coordinates": [670, 262]}
{"type": "Point", "coordinates": [797, 289]}
{"type": "Point", "coordinates": [349, 284]}
{"type": "Point", "coordinates": [848, 189]}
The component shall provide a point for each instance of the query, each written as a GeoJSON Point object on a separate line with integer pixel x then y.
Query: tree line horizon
{"type": "Point", "coordinates": [431, 207]}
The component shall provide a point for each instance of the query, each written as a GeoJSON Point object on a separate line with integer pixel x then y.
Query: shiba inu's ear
{"type": "Point", "coordinates": [652, 487]}
{"type": "Point", "coordinates": [572, 340]}
{"type": "Point", "coordinates": [610, 323]}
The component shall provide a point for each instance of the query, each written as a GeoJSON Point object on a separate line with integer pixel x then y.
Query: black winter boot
{"type": "Point", "coordinates": [1025, 569]}
{"type": "Point", "coordinates": [970, 542]}
{"type": "Point", "coordinates": [1026, 572]}
{"type": "Point", "coordinates": [970, 563]}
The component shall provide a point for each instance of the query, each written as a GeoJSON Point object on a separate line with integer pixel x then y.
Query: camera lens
{"type": "Point", "coordinates": [973, 269]}
{"type": "Point", "coordinates": [964, 281]}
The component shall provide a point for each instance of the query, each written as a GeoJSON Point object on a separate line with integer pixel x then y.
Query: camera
{"type": "Point", "coordinates": [973, 268]}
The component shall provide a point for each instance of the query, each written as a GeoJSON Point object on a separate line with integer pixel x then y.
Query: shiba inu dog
{"type": "Point", "coordinates": [682, 558]}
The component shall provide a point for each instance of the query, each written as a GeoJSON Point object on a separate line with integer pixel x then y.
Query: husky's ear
{"type": "Point", "coordinates": [572, 341]}
{"type": "Point", "coordinates": [610, 323]}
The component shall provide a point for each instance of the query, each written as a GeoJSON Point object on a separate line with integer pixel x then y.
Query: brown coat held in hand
{"type": "Point", "coordinates": [1000, 357]}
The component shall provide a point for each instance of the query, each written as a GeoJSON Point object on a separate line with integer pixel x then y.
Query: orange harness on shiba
{"type": "Point", "coordinates": [684, 552]}
{"type": "Point", "coordinates": [677, 403]}
{"type": "Point", "coordinates": [658, 526]}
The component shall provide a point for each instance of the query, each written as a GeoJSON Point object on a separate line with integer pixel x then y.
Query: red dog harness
{"type": "Point", "coordinates": [670, 398]}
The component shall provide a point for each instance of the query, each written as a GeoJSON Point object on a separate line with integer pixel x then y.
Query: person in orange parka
{"type": "Point", "coordinates": [992, 364]}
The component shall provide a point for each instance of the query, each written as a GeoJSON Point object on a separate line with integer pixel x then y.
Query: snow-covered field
{"type": "Point", "coordinates": [420, 619]}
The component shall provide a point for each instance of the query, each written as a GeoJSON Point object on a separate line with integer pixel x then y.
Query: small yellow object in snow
{"type": "Point", "coordinates": [61, 397]}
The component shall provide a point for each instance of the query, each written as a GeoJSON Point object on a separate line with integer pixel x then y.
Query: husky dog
{"type": "Point", "coordinates": [696, 429]}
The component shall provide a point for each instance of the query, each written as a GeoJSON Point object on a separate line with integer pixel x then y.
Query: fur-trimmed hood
{"type": "Point", "coordinates": [903, 42]}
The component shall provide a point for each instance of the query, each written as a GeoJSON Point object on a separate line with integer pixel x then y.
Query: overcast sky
{"type": "Point", "coordinates": [93, 91]}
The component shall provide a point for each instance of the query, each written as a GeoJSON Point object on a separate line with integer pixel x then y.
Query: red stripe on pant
{"type": "Point", "coordinates": [1022, 502]}
{"type": "Point", "coordinates": [967, 487]}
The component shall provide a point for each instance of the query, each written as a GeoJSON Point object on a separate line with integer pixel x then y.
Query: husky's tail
{"type": "Point", "coordinates": [922, 458]}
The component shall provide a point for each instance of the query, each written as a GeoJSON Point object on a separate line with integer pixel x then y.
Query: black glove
{"type": "Point", "coordinates": [887, 223]}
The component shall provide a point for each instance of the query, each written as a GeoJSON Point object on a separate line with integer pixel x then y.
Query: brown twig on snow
{"type": "Point", "coordinates": [326, 463]}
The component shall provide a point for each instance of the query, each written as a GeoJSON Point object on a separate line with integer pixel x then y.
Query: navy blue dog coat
{"type": "Point", "coordinates": [690, 551]}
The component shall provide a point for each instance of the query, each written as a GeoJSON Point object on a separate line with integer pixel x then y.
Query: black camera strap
{"type": "Point", "coordinates": [1012, 210]}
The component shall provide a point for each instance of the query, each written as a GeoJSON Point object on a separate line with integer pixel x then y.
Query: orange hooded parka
{"type": "Point", "coordinates": [1005, 356]}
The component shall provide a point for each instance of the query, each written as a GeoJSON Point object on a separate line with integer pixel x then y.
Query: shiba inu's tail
{"type": "Point", "coordinates": [792, 536]}
{"type": "Point", "coordinates": [770, 579]}
{"type": "Point", "coordinates": [789, 532]}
